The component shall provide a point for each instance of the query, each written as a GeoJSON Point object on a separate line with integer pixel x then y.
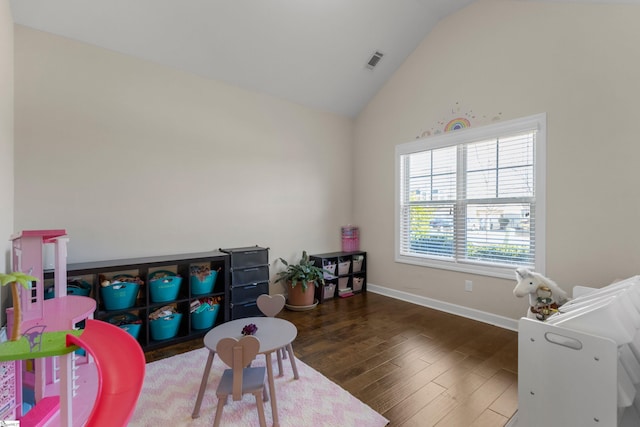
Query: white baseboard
{"type": "Point", "coordinates": [470, 313]}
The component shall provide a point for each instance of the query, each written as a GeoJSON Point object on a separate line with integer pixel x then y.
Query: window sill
{"type": "Point", "coordinates": [479, 269]}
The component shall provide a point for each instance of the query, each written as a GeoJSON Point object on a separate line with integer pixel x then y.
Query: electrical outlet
{"type": "Point", "coordinates": [468, 285]}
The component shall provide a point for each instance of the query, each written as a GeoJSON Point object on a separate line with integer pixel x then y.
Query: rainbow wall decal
{"type": "Point", "coordinates": [456, 124]}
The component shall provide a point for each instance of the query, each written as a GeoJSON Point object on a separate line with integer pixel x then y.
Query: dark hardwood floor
{"type": "Point", "coordinates": [414, 365]}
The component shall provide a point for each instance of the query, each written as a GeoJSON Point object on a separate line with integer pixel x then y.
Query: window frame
{"type": "Point", "coordinates": [469, 135]}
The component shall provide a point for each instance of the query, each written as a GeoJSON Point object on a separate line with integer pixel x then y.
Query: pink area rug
{"type": "Point", "coordinates": [171, 385]}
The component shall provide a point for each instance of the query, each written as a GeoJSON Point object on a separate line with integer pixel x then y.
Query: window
{"type": "Point", "coordinates": [472, 200]}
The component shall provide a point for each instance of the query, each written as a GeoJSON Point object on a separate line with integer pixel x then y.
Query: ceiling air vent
{"type": "Point", "coordinates": [373, 61]}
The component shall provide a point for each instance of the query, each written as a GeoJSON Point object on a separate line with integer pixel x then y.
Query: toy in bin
{"type": "Point", "coordinates": [164, 323]}
{"type": "Point", "coordinates": [204, 312]}
{"type": "Point", "coordinates": [74, 287]}
{"type": "Point", "coordinates": [121, 293]}
{"type": "Point", "coordinates": [202, 279]}
{"type": "Point", "coordinates": [164, 286]}
{"type": "Point", "coordinates": [128, 322]}
{"type": "Point", "coordinates": [78, 287]}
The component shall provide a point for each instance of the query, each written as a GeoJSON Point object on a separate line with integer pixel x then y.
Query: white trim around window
{"type": "Point", "coordinates": [444, 195]}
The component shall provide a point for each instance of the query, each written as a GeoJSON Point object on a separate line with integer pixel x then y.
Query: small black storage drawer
{"type": "Point", "coordinates": [245, 276]}
{"type": "Point", "coordinates": [249, 270]}
{"type": "Point", "coordinates": [248, 257]}
{"type": "Point", "coordinates": [250, 292]}
{"type": "Point", "coordinates": [248, 309]}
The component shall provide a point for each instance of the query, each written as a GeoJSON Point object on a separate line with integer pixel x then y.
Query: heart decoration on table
{"type": "Point", "coordinates": [271, 305]}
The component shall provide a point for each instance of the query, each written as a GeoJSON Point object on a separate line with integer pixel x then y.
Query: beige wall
{"type": "Point", "coordinates": [510, 59]}
{"type": "Point", "coordinates": [136, 159]}
{"type": "Point", "coordinates": [6, 142]}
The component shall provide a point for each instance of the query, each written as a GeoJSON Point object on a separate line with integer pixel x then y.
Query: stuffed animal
{"type": "Point", "coordinates": [545, 296]}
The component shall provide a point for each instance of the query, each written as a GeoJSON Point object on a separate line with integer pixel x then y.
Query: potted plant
{"type": "Point", "coordinates": [301, 279]}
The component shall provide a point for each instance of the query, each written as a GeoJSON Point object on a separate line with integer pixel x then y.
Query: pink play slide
{"type": "Point", "coordinates": [120, 363]}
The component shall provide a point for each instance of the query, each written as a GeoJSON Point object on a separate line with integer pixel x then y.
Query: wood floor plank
{"type": "Point", "coordinates": [453, 397]}
{"type": "Point", "coordinates": [432, 413]}
{"type": "Point", "coordinates": [505, 357]}
{"type": "Point", "coordinates": [466, 385]}
{"type": "Point", "coordinates": [507, 403]}
{"type": "Point", "coordinates": [392, 354]}
{"type": "Point", "coordinates": [458, 372]}
{"type": "Point", "coordinates": [357, 383]}
{"type": "Point", "coordinates": [489, 419]}
{"type": "Point", "coordinates": [408, 407]}
{"type": "Point", "coordinates": [388, 390]}
{"type": "Point", "coordinates": [394, 395]}
{"type": "Point", "coordinates": [466, 413]}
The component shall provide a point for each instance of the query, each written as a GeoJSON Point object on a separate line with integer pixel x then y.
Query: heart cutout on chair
{"type": "Point", "coordinates": [250, 347]}
{"type": "Point", "coordinates": [270, 305]}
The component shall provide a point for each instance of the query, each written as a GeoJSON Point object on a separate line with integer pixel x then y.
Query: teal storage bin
{"type": "Point", "coordinates": [164, 288]}
{"type": "Point", "coordinates": [125, 321]}
{"type": "Point", "coordinates": [205, 319]}
{"type": "Point", "coordinates": [75, 287]}
{"type": "Point", "coordinates": [205, 286]}
{"type": "Point", "coordinates": [132, 329]}
{"type": "Point", "coordinates": [165, 327]}
{"type": "Point", "coordinates": [78, 287]}
{"type": "Point", "coordinates": [78, 291]}
{"type": "Point", "coordinates": [120, 296]}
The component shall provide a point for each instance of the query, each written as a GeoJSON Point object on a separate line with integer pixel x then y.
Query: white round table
{"type": "Point", "coordinates": [273, 334]}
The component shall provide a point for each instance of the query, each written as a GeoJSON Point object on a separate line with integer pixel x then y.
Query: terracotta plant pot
{"type": "Point", "coordinates": [297, 297]}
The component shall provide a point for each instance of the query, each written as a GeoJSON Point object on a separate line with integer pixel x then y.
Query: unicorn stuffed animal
{"type": "Point", "coordinates": [545, 296]}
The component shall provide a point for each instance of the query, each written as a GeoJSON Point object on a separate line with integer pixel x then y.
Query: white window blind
{"type": "Point", "coordinates": [471, 199]}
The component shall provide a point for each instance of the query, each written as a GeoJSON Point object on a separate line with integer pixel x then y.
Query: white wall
{"type": "Point", "coordinates": [136, 159]}
{"type": "Point", "coordinates": [579, 64]}
{"type": "Point", "coordinates": [6, 143]}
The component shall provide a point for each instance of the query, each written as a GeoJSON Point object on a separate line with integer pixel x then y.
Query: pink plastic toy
{"type": "Point", "coordinates": [121, 365]}
{"type": "Point", "coordinates": [63, 396]}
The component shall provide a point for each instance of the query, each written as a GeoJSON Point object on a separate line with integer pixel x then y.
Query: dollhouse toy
{"type": "Point", "coordinates": [98, 388]}
{"type": "Point", "coordinates": [53, 375]}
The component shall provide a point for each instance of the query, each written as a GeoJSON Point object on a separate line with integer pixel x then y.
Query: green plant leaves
{"type": "Point", "coordinates": [22, 278]}
{"type": "Point", "coordinates": [303, 272]}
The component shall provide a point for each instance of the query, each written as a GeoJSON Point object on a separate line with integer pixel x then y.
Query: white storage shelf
{"type": "Point", "coordinates": [581, 367]}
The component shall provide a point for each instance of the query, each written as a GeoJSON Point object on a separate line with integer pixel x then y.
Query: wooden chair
{"type": "Point", "coordinates": [270, 306]}
{"type": "Point", "coordinates": [240, 380]}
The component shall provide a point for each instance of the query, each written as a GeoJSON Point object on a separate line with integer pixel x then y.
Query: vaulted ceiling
{"type": "Point", "coordinates": [312, 52]}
